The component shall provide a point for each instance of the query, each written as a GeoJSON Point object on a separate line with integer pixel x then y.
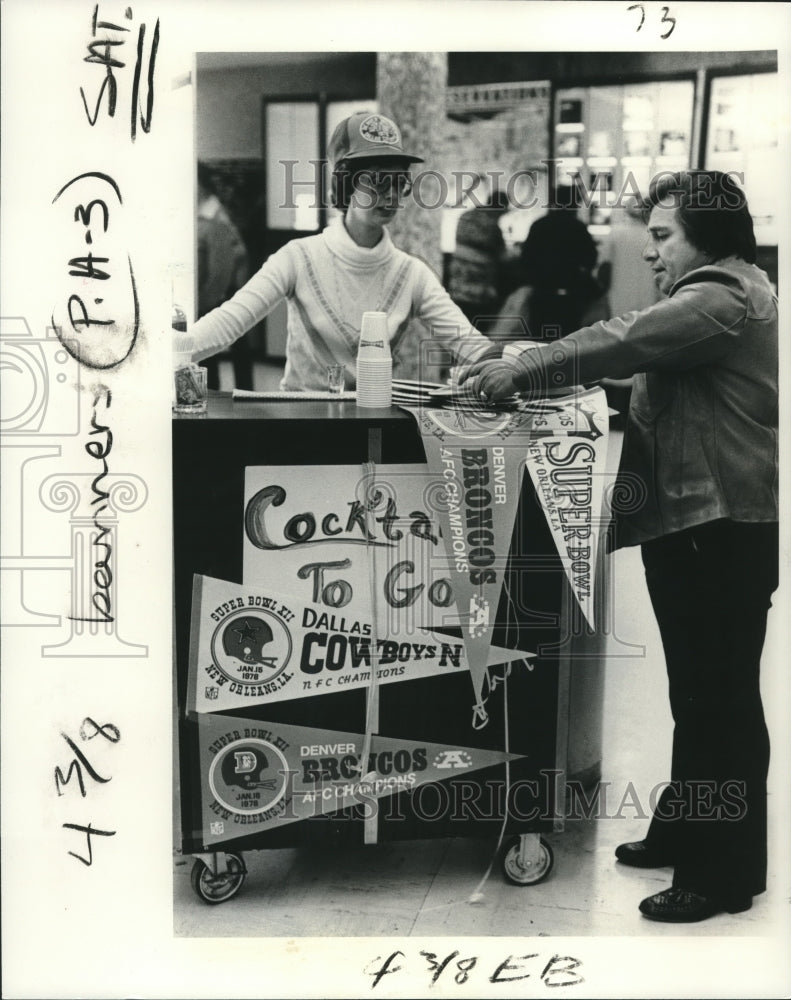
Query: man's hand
{"type": "Point", "coordinates": [490, 381]}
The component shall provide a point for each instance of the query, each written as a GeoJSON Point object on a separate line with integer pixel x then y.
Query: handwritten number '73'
{"type": "Point", "coordinates": [666, 18]}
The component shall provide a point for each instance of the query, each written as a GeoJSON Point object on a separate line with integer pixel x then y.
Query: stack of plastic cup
{"type": "Point", "coordinates": [374, 363]}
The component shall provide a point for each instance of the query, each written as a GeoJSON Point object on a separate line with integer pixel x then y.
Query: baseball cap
{"type": "Point", "coordinates": [365, 135]}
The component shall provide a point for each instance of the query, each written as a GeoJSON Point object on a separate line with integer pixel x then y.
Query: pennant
{"type": "Point", "coordinates": [255, 776]}
{"type": "Point", "coordinates": [566, 458]}
{"type": "Point", "coordinates": [479, 456]}
{"type": "Point", "coordinates": [255, 647]}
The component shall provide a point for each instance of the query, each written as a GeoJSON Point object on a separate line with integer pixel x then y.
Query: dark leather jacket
{"type": "Point", "coordinates": [701, 439]}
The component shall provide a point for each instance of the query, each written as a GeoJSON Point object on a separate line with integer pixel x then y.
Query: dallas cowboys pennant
{"type": "Point", "coordinates": [254, 647]}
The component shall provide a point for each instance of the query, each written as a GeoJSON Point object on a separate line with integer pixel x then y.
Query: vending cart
{"type": "Point", "coordinates": [296, 724]}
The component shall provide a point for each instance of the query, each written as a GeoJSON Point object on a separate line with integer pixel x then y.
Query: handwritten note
{"type": "Point", "coordinates": [463, 969]}
{"type": "Point", "coordinates": [105, 48]}
{"type": "Point", "coordinates": [80, 766]}
{"type": "Point", "coordinates": [98, 324]}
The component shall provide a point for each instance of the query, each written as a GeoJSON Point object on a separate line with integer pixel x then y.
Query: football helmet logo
{"type": "Point", "coordinates": [251, 646]}
{"type": "Point", "coordinates": [245, 638]}
{"type": "Point", "coordinates": [248, 777]}
{"type": "Point", "coordinates": [246, 768]}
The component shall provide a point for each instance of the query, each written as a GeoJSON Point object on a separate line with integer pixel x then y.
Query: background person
{"type": "Point", "coordinates": [331, 279]}
{"type": "Point", "coordinates": [475, 278]}
{"type": "Point", "coordinates": [557, 262]}
{"type": "Point", "coordinates": [223, 267]}
{"type": "Point", "coordinates": [702, 440]}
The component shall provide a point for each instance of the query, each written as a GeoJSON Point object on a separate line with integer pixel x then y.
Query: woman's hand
{"type": "Point", "coordinates": [490, 381]}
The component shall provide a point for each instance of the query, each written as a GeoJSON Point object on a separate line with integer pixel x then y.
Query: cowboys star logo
{"type": "Point", "coordinates": [251, 647]}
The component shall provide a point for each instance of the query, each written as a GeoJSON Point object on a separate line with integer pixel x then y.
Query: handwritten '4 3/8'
{"type": "Point", "coordinates": [78, 767]}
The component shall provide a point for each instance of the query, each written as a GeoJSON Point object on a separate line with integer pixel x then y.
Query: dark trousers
{"type": "Point", "coordinates": [711, 589]}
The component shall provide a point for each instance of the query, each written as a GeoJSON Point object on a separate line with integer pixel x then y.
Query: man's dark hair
{"type": "Point", "coordinates": [712, 211]}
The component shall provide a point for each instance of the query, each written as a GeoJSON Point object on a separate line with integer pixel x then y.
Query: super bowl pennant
{"type": "Point", "coordinates": [566, 459]}
{"type": "Point", "coordinates": [252, 647]}
{"type": "Point", "coordinates": [259, 775]}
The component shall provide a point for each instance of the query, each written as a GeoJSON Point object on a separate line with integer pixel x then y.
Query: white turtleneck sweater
{"type": "Point", "coordinates": [328, 282]}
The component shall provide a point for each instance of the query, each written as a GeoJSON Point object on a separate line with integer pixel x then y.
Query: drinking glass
{"type": "Point", "coordinates": [335, 379]}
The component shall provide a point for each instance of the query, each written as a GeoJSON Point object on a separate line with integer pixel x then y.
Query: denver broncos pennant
{"type": "Point", "coordinates": [480, 457]}
{"type": "Point", "coordinates": [258, 775]}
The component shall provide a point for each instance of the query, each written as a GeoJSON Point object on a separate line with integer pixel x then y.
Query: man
{"type": "Point", "coordinates": [701, 440]}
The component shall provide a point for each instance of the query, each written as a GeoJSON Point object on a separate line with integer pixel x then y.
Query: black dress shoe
{"type": "Point", "coordinates": [682, 906]}
{"type": "Point", "coordinates": [639, 854]}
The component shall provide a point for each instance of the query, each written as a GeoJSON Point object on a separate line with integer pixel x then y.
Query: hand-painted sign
{"type": "Point", "coordinates": [338, 536]}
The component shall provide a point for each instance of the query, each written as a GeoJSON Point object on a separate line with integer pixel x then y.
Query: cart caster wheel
{"type": "Point", "coordinates": [218, 888]}
{"type": "Point", "coordinates": [535, 872]}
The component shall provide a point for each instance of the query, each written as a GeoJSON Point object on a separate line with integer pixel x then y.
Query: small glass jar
{"type": "Point", "coordinates": [190, 385]}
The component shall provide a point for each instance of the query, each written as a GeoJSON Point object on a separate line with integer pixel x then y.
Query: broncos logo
{"type": "Point", "coordinates": [245, 769]}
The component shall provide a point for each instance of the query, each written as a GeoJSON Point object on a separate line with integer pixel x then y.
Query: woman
{"type": "Point", "coordinates": [331, 279]}
{"type": "Point", "coordinates": [701, 444]}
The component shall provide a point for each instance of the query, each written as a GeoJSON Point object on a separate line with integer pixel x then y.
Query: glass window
{"type": "Point", "coordinates": [742, 137]}
{"type": "Point", "coordinates": [293, 168]}
{"type": "Point", "coordinates": [611, 140]}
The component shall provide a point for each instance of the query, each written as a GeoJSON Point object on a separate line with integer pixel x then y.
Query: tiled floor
{"type": "Point", "coordinates": [420, 888]}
